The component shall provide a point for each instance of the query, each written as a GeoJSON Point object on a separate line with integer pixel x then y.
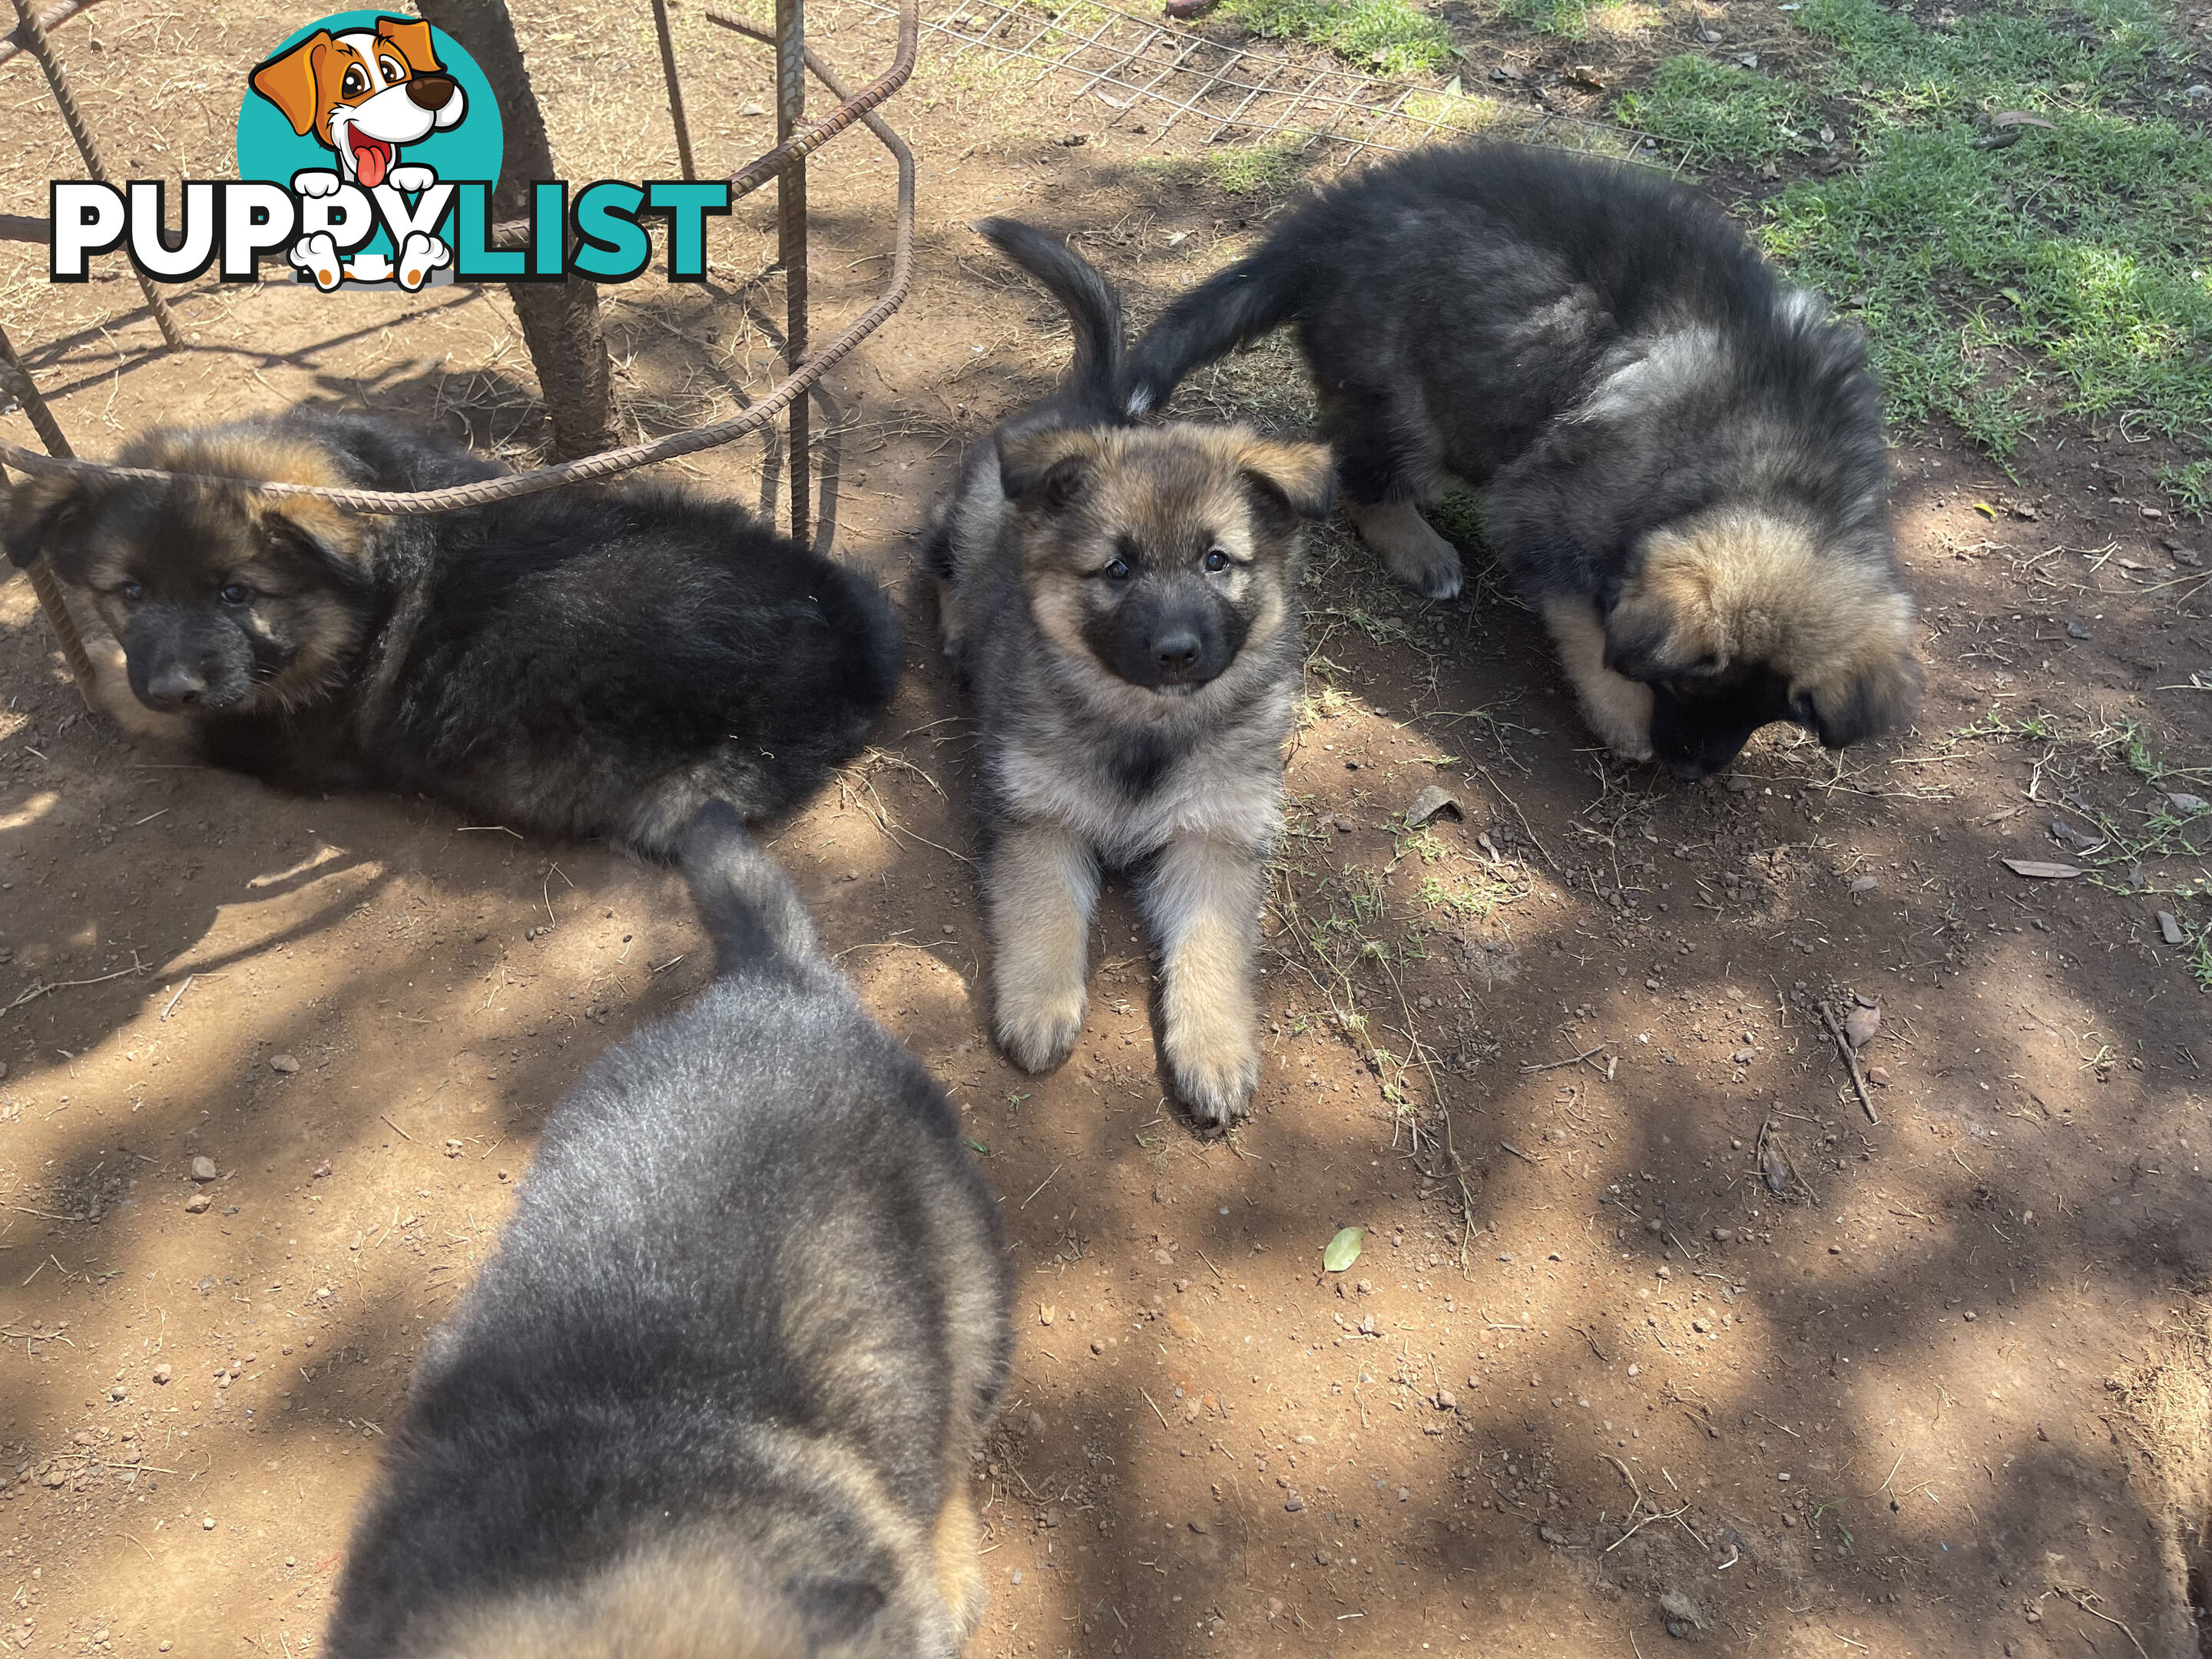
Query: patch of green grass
{"type": "Point", "coordinates": [1255, 170]}
{"type": "Point", "coordinates": [1392, 36]}
{"type": "Point", "coordinates": [1241, 170]}
{"type": "Point", "coordinates": [1565, 18]}
{"type": "Point", "coordinates": [1457, 517]}
{"type": "Point", "coordinates": [2190, 487]}
{"type": "Point", "coordinates": [2064, 273]}
{"type": "Point", "coordinates": [1732, 113]}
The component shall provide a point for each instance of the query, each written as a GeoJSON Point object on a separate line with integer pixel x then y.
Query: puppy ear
{"type": "Point", "coordinates": [1051, 469]}
{"type": "Point", "coordinates": [1876, 700]}
{"type": "Point", "coordinates": [326, 537]}
{"type": "Point", "coordinates": [1665, 626]}
{"type": "Point", "coordinates": [41, 512]}
{"type": "Point", "coordinates": [413, 39]}
{"type": "Point", "coordinates": [287, 81]}
{"type": "Point", "coordinates": [1301, 476]}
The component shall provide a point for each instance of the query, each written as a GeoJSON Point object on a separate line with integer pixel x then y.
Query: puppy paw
{"type": "Point", "coordinates": [317, 255]}
{"type": "Point", "coordinates": [411, 178]}
{"type": "Point", "coordinates": [1215, 1075]}
{"type": "Point", "coordinates": [1411, 549]}
{"type": "Point", "coordinates": [1431, 569]}
{"type": "Point", "coordinates": [1037, 1030]}
{"type": "Point", "coordinates": [421, 255]}
{"type": "Point", "coordinates": [313, 182]}
{"type": "Point", "coordinates": [1619, 710]}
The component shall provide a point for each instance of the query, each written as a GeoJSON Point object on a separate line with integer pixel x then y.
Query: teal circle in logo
{"type": "Point", "coordinates": [303, 79]}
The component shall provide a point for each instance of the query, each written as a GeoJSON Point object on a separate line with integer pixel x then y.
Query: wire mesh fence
{"type": "Point", "coordinates": [1181, 84]}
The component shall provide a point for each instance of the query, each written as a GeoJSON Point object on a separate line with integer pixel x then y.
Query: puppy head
{"type": "Point", "coordinates": [363, 92]}
{"type": "Point", "coordinates": [224, 601]}
{"type": "Point", "coordinates": [1738, 616]}
{"type": "Point", "coordinates": [1159, 555]}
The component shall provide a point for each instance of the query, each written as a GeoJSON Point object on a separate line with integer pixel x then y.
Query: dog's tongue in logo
{"type": "Point", "coordinates": [371, 157]}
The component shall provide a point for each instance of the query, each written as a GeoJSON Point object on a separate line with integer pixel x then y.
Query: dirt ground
{"type": "Point", "coordinates": [1658, 1335]}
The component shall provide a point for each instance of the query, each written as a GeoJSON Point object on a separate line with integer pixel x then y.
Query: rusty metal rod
{"type": "Point", "coordinates": [15, 382]}
{"type": "Point", "coordinates": [791, 242]}
{"type": "Point", "coordinates": [33, 30]}
{"type": "Point", "coordinates": [675, 87]}
{"type": "Point", "coordinates": [51, 18]}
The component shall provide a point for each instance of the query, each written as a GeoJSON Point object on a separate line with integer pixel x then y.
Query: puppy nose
{"type": "Point", "coordinates": [1178, 652]}
{"type": "Point", "coordinates": [431, 91]}
{"type": "Point", "coordinates": [177, 686]}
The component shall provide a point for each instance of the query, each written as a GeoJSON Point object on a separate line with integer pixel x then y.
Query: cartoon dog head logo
{"type": "Point", "coordinates": [364, 93]}
{"type": "Point", "coordinates": [371, 121]}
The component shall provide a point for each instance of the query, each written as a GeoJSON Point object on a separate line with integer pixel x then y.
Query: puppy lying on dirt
{"type": "Point", "coordinates": [1124, 604]}
{"type": "Point", "coordinates": [589, 662]}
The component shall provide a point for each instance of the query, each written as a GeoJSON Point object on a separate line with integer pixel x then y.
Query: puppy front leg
{"type": "Point", "coordinates": [1617, 708]}
{"type": "Point", "coordinates": [1415, 554]}
{"type": "Point", "coordinates": [1040, 884]}
{"type": "Point", "coordinates": [1203, 905]}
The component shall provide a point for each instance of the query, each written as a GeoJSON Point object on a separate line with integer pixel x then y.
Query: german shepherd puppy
{"type": "Point", "coordinates": [716, 1394]}
{"type": "Point", "coordinates": [1684, 461]}
{"type": "Point", "coordinates": [585, 662]}
{"type": "Point", "coordinates": [1124, 604]}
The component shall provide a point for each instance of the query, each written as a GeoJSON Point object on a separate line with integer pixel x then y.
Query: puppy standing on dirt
{"type": "Point", "coordinates": [1124, 604]}
{"type": "Point", "coordinates": [1684, 462]}
{"type": "Point", "coordinates": [592, 661]}
{"type": "Point", "coordinates": [718, 1391]}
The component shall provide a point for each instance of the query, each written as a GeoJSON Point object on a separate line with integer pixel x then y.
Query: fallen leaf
{"type": "Point", "coordinates": [1430, 802]}
{"type": "Point", "coordinates": [1344, 1250]}
{"type": "Point", "coordinates": [1860, 1025]}
{"type": "Point", "coordinates": [2039, 868]}
{"type": "Point", "coordinates": [1985, 509]}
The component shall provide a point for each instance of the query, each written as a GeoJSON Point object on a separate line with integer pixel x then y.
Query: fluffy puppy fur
{"type": "Point", "coordinates": [716, 1395]}
{"type": "Point", "coordinates": [583, 662]}
{"type": "Point", "coordinates": [1683, 461]}
{"type": "Point", "coordinates": [1124, 604]}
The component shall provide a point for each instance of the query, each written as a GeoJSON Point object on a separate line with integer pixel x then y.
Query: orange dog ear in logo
{"type": "Point", "coordinates": [288, 79]}
{"type": "Point", "coordinates": [413, 39]}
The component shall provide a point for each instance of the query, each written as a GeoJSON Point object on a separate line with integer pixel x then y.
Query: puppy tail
{"type": "Point", "coordinates": [1227, 310]}
{"type": "Point", "coordinates": [1093, 309]}
{"type": "Point", "coordinates": [747, 906]}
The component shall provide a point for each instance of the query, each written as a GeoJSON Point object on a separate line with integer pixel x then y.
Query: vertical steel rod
{"type": "Point", "coordinates": [675, 87]}
{"type": "Point", "coordinates": [15, 382]}
{"type": "Point", "coordinates": [35, 38]}
{"type": "Point", "coordinates": [791, 242]}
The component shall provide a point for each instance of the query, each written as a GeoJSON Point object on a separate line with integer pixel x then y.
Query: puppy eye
{"type": "Point", "coordinates": [235, 593]}
{"type": "Point", "coordinates": [354, 83]}
{"type": "Point", "coordinates": [132, 593]}
{"type": "Point", "coordinates": [1116, 572]}
{"type": "Point", "coordinates": [1217, 560]}
{"type": "Point", "coordinates": [392, 67]}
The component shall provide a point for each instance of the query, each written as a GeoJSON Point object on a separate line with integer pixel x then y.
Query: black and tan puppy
{"type": "Point", "coordinates": [585, 662]}
{"type": "Point", "coordinates": [716, 1394]}
{"type": "Point", "coordinates": [1683, 460]}
{"type": "Point", "coordinates": [1124, 604]}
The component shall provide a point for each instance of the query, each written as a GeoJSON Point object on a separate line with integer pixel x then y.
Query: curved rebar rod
{"type": "Point", "coordinates": [614, 461]}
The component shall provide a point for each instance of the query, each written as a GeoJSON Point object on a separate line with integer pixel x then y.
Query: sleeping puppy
{"type": "Point", "coordinates": [1683, 461]}
{"type": "Point", "coordinates": [587, 662]}
{"type": "Point", "coordinates": [716, 1395]}
{"type": "Point", "coordinates": [1124, 605]}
